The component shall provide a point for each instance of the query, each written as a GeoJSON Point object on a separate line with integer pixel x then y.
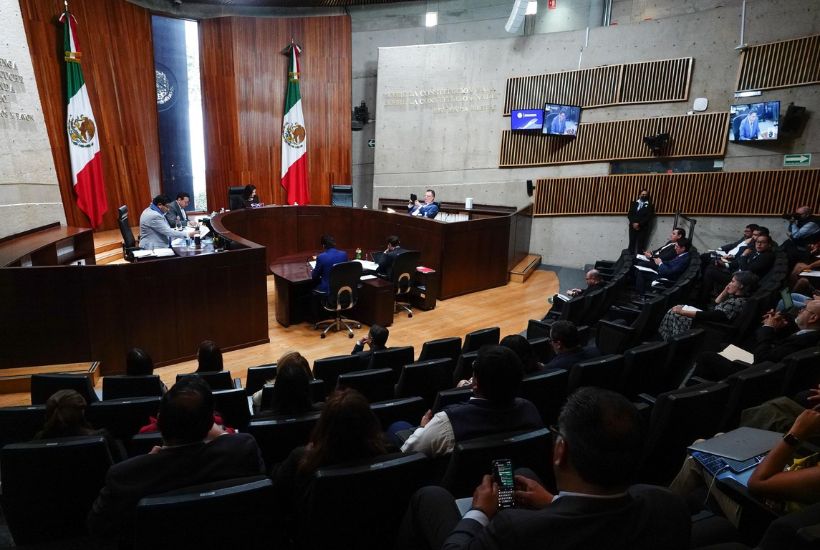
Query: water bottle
{"type": "Point", "coordinates": [358, 253]}
{"type": "Point", "coordinates": [179, 223]}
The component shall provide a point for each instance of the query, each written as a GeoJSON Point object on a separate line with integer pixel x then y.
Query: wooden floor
{"type": "Point", "coordinates": [508, 307]}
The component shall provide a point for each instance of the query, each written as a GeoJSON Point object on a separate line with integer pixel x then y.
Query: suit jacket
{"type": "Point", "coordinates": [675, 267]}
{"type": "Point", "coordinates": [748, 130]}
{"type": "Point", "coordinates": [591, 288]}
{"type": "Point", "coordinates": [731, 246]}
{"type": "Point", "coordinates": [770, 348]}
{"type": "Point", "coordinates": [386, 262]}
{"type": "Point", "coordinates": [174, 212]}
{"type": "Point", "coordinates": [154, 230]}
{"type": "Point", "coordinates": [643, 216]}
{"type": "Point", "coordinates": [425, 210]}
{"type": "Point", "coordinates": [363, 354]}
{"type": "Point", "coordinates": [573, 356]}
{"type": "Point", "coordinates": [324, 262]}
{"type": "Point", "coordinates": [647, 518]}
{"type": "Point", "coordinates": [665, 253]}
{"type": "Point", "coordinates": [226, 457]}
{"type": "Point", "coordinates": [759, 264]}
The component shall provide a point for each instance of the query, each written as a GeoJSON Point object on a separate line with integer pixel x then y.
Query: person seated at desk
{"type": "Point", "coordinates": [248, 198]}
{"type": "Point", "coordinates": [176, 211]}
{"type": "Point", "coordinates": [325, 261]}
{"type": "Point", "coordinates": [154, 229]}
{"type": "Point", "coordinates": [667, 251]}
{"type": "Point", "coordinates": [672, 269]}
{"type": "Point", "coordinates": [427, 209]}
{"type": "Point", "coordinates": [209, 357]}
{"type": "Point", "coordinates": [748, 127]}
{"type": "Point", "coordinates": [387, 259]}
{"type": "Point", "coordinates": [376, 339]}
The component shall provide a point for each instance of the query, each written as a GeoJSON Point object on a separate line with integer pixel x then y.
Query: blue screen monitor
{"type": "Point", "coordinates": [754, 121]}
{"type": "Point", "coordinates": [527, 119]}
{"type": "Point", "coordinates": [561, 120]}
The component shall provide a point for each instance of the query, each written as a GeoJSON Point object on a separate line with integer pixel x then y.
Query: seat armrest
{"type": "Point", "coordinates": [627, 314]}
{"type": "Point", "coordinates": [645, 410]}
{"type": "Point", "coordinates": [695, 380]}
{"type": "Point", "coordinates": [606, 264]}
{"type": "Point", "coordinates": [610, 336]}
{"type": "Point", "coordinates": [646, 398]}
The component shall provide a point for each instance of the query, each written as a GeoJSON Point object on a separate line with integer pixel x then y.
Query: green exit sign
{"type": "Point", "coordinates": [797, 160]}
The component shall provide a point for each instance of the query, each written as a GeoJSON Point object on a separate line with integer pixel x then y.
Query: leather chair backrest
{"type": "Point", "coordinates": [404, 270]}
{"type": "Point", "coordinates": [451, 397]}
{"type": "Point", "coordinates": [125, 228]}
{"type": "Point", "coordinates": [541, 348]}
{"type": "Point", "coordinates": [641, 368]}
{"type": "Point", "coordinates": [329, 368]}
{"type": "Point", "coordinates": [232, 405]}
{"type": "Point", "coordinates": [538, 329]}
{"type": "Point", "coordinates": [121, 387]}
{"type": "Point", "coordinates": [736, 126]}
{"type": "Point", "coordinates": [49, 486]}
{"type": "Point", "coordinates": [216, 380]}
{"type": "Point", "coordinates": [343, 286]}
{"type": "Point", "coordinates": [392, 358]}
{"type": "Point", "coordinates": [21, 424]}
{"type": "Point", "coordinates": [803, 371]}
{"type": "Point", "coordinates": [375, 385]}
{"type": "Point", "coordinates": [445, 348]}
{"type": "Point", "coordinates": [683, 351]}
{"type": "Point", "coordinates": [44, 386]}
{"type": "Point", "coordinates": [371, 516]}
{"type": "Point", "coordinates": [547, 391]}
{"type": "Point", "coordinates": [409, 409]}
{"type": "Point", "coordinates": [464, 367]}
{"type": "Point", "coordinates": [425, 379]}
{"type": "Point", "coordinates": [258, 377]}
{"type": "Point", "coordinates": [603, 372]}
{"type": "Point", "coordinates": [277, 437]}
{"type": "Point", "coordinates": [141, 444]}
{"type": "Point", "coordinates": [749, 388]}
{"type": "Point", "coordinates": [474, 340]}
{"type": "Point", "coordinates": [235, 196]}
{"type": "Point", "coordinates": [123, 418]}
{"type": "Point", "coordinates": [185, 518]}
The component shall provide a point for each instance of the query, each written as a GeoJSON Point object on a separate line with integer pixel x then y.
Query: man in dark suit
{"type": "Point", "coordinates": [194, 451]}
{"type": "Point", "coordinates": [387, 259]}
{"type": "Point", "coordinates": [594, 282]}
{"type": "Point", "coordinates": [325, 261]}
{"type": "Point", "coordinates": [758, 259]}
{"type": "Point", "coordinates": [375, 339]}
{"type": "Point", "coordinates": [176, 210]}
{"type": "Point", "coordinates": [566, 344]}
{"type": "Point", "coordinates": [770, 345]}
{"type": "Point", "coordinates": [667, 251]}
{"type": "Point", "coordinates": [640, 215]}
{"type": "Point", "coordinates": [731, 249]}
{"type": "Point", "coordinates": [596, 452]}
{"type": "Point", "coordinates": [671, 270]}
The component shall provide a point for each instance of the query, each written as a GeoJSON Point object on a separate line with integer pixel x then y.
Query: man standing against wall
{"type": "Point", "coordinates": [641, 212]}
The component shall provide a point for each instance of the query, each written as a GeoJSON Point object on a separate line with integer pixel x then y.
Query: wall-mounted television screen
{"type": "Point", "coordinates": [527, 119]}
{"type": "Point", "coordinates": [561, 120]}
{"type": "Point", "coordinates": [754, 121]}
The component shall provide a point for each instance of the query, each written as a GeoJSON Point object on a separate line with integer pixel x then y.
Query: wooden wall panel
{"type": "Point", "coordinates": [689, 136]}
{"type": "Point", "coordinates": [118, 66]}
{"type": "Point", "coordinates": [244, 80]}
{"type": "Point", "coordinates": [758, 192]}
{"type": "Point", "coordinates": [643, 82]}
{"type": "Point", "coordinates": [780, 64]}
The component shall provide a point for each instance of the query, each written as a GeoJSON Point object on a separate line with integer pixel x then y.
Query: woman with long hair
{"type": "Point", "coordinates": [291, 393]}
{"type": "Point", "coordinates": [290, 357]}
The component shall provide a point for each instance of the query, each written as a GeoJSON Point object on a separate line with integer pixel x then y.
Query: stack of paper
{"type": "Point", "coordinates": [372, 266]}
{"type": "Point", "coordinates": [690, 308]}
{"type": "Point", "coordinates": [143, 253]}
{"type": "Point", "coordinates": [163, 252]}
{"type": "Point", "coordinates": [734, 353]}
{"type": "Point", "coordinates": [642, 268]}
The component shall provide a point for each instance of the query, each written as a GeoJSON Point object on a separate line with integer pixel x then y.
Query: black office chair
{"type": "Point", "coordinates": [404, 273]}
{"type": "Point", "coordinates": [185, 518]}
{"type": "Point", "coordinates": [547, 390]}
{"type": "Point", "coordinates": [343, 293]}
{"type": "Point", "coordinates": [409, 409]}
{"type": "Point", "coordinates": [445, 348]}
{"type": "Point", "coordinates": [375, 385]}
{"type": "Point", "coordinates": [445, 398]}
{"type": "Point", "coordinates": [258, 377]}
{"type": "Point", "coordinates": [122, 387]}
{"type": "Point", "coordinates": [349, 502]}
{"type": "Point", "coordinates": [329, 368]}
{"type": "Point", "coordinates": [44, 386]}
{"type": "Point", "coordinates": [129, 243]}
{"type": "Point", "coordinates": [464, 367]}
{"type": "Point", "coordinates": [141, 444]}
{"type": "Point", "coordinates": [50, 485]}
{"type": "Point", "coordinates": [393, 359]}
{"type": "Point", "coordinates": [425, 379]}
{"type": "Point", "coordinates": [603, 372]}
{"type": "Point", "coordinates": [217, 381]}
{"type": "Point", "coordinates": [235, 197]}
{"type": "Point", "coordinates": [474, 340]}
{"type": "Point", "coordinates": [123, 418]}
{"type": "Point", "coordinates": [21, 424]}
{"type": "Point", "coordinates": [233, 406]}
{"type": "Point", "coordinates": [278, 436]}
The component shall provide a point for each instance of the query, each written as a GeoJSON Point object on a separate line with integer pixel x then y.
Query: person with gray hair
{"type": "Point", "coordinates": [728, 305]}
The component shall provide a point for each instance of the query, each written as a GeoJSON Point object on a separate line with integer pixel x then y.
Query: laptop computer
{"type": "Point", "coordinates": [734, 452]}
{"type": "Point", "coordinates": [377, 256]}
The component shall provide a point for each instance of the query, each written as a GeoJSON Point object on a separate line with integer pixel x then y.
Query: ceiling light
{"type": "Point", "coordinates": [431, 20]}
{"type": "Point", "coordinates": [750, 93]}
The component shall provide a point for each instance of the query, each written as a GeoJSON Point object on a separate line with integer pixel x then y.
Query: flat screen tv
{"type": "Point", "coordinates": [561, 120]}
{"type": "Point", "coordinates": [754, 121]}
{"type": "Point", "coordinates": [527, 119]}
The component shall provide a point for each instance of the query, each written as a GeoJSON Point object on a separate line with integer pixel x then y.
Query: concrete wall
{"type": "Point", "coordinates": [29, 192]}
{"type": "Point", "coordinates": [457, 152]}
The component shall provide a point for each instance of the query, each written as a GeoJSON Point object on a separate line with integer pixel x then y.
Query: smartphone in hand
{"type": "Point", "coordinates": [503, 475]}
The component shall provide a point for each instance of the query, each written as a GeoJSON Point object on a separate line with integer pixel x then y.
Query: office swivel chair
{"type": "Point", "coordinates": [342, 295]}
{"type": "Point", "coordinates": [235, 196]}
{"type": "Point", "coordinates": [404, 273]}
{"type": "Point", "coordinates": [129, 243]}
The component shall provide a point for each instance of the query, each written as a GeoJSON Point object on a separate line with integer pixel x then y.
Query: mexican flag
{"type": "Point", "coordinates": [294, 137]}
{"type": "Point", "coordinates": [83, 139]}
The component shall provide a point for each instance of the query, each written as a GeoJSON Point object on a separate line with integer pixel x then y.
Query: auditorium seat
{"type": "Point", "coordinates": [258, 377]}
{"type": "Point", "coordinates": [541, 348]}
{"type": "Point", "coordinates": [123, 418]}
{"type": "Point", "coordinates": [49, 486]}
{"type": "Point", "coordinates": [740, 330]}
{"type": "Point", "coordinates": [625, 328]}
{"type": "Point", "coordinates": [278, 436]}
{"type": "Point", "coordinates": [408, 409]}
{"type": "Point", "coordinates": [537, 328]}
{"type": "Point", "coordinates": [185, 518]}
{"type": "Point", "coordinates": [593, 306]}
{"type": "Point", "coordinates": [392, 358]}
{"type": "Point", "coordinates": [803, 371]}
{"type": "Point", "coordinates": [122, 387]}
{"type": "Point", "coordinates": [464, 367]}
{"type": "Point", "coordinates": [361, 504]}
{"type": "Point", "coordinates": [319, 390]}
{"type": "Point", "coordinates": [425, 379]}
{"type": "Point", "coordinates": [232, 405]}
{"type": "Point", "coordinates": [474, 340]}
{"type": "Point", "coordinates": [572, 311]}
{"type": "Point", "coordinates": [547, 390]}
{"type": "Point", "coordinates": [44, 386]}
{"type": "Point", "coordinates": [749, 388]}
{"type": "Point", "coordinates": [216, 380]}
{"type": "Point", "coordinates": [641, 369]}
{"type": "Point", "coordinates": [445, 398]}
{"type": "Point", "coordinates": [472, 460]}
{"type": "Point", "coordinates": [375, 385]}
{"type": "Point", "coordinates": [21, 424]}
{"type": "Point", "coordinates": [445, 348]}
{"type": "Point", "coordinates": [611, 266]}
{"type": "Point", "coordinates": [684, 349]}
{"type": "Point", "coordinates": [603, 372]}
{"type": "Point", "coordinates": [141, 444]}
{"type": "Point", "coordinates": [329, 368]}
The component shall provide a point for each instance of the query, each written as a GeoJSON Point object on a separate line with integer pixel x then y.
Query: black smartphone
{"type": "Point", "coordinates": [503, 475]}
{"type": "Point", "coordinates": [413, 197]}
